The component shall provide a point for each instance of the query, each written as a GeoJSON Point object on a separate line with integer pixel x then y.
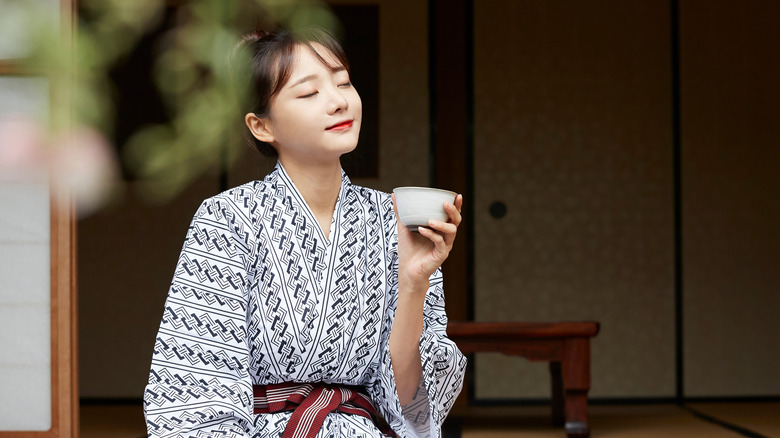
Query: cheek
{"type": "Point", "coordinates": [286, 118]}
{"type": "Point", "coordinates": [357, 103]}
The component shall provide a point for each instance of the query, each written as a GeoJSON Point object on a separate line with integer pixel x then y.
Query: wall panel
{"type": "Point", "coordinates": [572, 133]}
{"type": "Point", "coordinates": [731, 196]}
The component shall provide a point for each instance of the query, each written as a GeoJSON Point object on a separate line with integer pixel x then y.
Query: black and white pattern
{"type": "Point", "coordinates": [261, 296]}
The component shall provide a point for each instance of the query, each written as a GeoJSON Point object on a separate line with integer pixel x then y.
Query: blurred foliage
{"type": "Point", "coordinates": [191, 70]}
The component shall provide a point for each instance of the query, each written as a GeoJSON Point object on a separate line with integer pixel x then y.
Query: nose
{"type": "Point", "coordinates": [338, 101]}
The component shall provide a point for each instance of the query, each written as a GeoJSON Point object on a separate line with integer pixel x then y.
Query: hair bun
{"type": "Point", "coordinates": [255, 35]}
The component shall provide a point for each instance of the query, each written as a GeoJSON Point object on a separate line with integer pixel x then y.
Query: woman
{"type": "Point", "coordinates": [300, 304]}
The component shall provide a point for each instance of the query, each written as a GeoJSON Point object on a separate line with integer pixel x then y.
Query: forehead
{"type": "Point", "coordinates": [309, 58]}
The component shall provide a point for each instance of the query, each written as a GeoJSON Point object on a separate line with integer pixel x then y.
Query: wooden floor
{"type": "Point", "coordinates": [711, 420]}
{"type": "Point", "coordinates": [714, 420]}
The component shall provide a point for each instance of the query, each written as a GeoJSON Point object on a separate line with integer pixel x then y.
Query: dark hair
{"type": "Point", "coordinates": [268, 65]}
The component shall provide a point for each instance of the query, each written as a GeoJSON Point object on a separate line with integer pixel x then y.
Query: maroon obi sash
{"type": "Point", "coordinates": [311, 403]}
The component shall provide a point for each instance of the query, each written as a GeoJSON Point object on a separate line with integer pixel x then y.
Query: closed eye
{"type": "Point", "coordinates": [306, 96]}
{"type": "Point", "coordinates": [346, 84]}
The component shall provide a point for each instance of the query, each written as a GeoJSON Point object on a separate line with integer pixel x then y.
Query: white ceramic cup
{"type": "Point", "coordinates": [416, 205]}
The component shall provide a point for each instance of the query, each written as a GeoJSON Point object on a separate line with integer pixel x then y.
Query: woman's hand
{"type": "Point", "coordinates": [421, 253]}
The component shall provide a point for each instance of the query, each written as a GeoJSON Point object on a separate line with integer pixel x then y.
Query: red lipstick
{"type": "Point", "coordinates": [341, 126]}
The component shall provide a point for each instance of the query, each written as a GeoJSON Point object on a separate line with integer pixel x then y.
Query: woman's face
{"type": "Point", "coordinates": [316, 115]}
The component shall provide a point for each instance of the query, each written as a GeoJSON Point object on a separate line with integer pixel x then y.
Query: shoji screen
{"type": "Point", "coordinates": [25, 283]}
{"type": "Point", "coordinates": [37, 297]}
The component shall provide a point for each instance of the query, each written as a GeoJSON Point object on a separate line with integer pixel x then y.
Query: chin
{"type": "Point", "coordinates": [338, 152]}
{"type": "Point", "coordinates": [348, 147]}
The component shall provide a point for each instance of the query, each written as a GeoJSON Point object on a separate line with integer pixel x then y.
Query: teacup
{"type": "Point", "coordinates": [417, 205]}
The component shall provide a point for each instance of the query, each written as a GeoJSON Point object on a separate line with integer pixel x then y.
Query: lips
{"type": "Point", "coordinates": [340, 126]}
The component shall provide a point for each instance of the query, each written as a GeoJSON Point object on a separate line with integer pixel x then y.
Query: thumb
{"type": "Point", "coordinates": [397, 216]}
{"type": "Point", "coordinates": [395, 207]}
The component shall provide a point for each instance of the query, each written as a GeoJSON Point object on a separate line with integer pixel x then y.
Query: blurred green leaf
{"type": "Point", "coordinates": [191, 70]}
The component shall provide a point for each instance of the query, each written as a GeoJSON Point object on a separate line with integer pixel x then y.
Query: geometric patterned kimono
{"type": "Point", "coordinates": [260, 296]}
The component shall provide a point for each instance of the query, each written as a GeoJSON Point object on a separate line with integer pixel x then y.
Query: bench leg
{"type": "Point", "coordinates": [576, 383]}
{"type": "Point", "coordinates": [557, 394]}
{"type": "Point", "coordinates": [577, 414]}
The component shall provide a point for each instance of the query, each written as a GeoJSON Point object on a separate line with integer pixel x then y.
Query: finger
{"type": "Point", "coordinates": [448, 230]}
{"type": "Point", "coordinates": [437, 240]}
{"type": "Point", "coordinates": [453, 213]}
{"type": "Point", "coordinates": [443, 227]}
{"type": "Point", "coordinates": [459, 203]}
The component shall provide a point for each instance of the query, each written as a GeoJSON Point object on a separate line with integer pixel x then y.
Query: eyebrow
{"type": "Point", "coordinates": [314, 76]}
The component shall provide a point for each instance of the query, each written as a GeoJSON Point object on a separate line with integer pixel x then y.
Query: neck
{"type": "Point", "coordinates": [319, 184]}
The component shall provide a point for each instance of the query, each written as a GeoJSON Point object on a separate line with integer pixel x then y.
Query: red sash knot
{"type": "Point", "coordinates": [311, 403]}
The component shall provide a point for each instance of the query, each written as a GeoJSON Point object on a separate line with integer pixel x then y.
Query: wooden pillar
{"type": "Point", "coordinates": [450, 87]}
{"type": "Point", "coordinates": [450, 101]}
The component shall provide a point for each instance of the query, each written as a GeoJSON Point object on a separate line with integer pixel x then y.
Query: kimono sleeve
{"type": "Point", "coordinates": [443, 366]}
{"type": "Point", "coordinates": [199, 383]}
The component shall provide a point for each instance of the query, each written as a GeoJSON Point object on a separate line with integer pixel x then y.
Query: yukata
{"type": "Point", "coordinates": [260, 296]}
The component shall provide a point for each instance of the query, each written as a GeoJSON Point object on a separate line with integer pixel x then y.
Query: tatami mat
{"type": "Point", "coordinates": [762, 417]}
{"type": "Point", "coordinates": [618, 421]}
{"type": "Point", "coordinates": [651, 421]}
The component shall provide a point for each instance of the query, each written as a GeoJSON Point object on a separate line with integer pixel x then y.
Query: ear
{"type": "Point", "coordinates": [260, 127]}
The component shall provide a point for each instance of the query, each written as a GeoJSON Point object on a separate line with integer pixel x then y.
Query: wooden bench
{"type": "Point", "coordinates": [565, 345]}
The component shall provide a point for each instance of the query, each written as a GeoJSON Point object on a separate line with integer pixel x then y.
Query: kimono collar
{"type": "Point", "coordinates": [279, 176]}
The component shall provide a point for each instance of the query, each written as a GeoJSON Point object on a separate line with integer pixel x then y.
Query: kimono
{"type": "Point", "coordinates": [260, 296]}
